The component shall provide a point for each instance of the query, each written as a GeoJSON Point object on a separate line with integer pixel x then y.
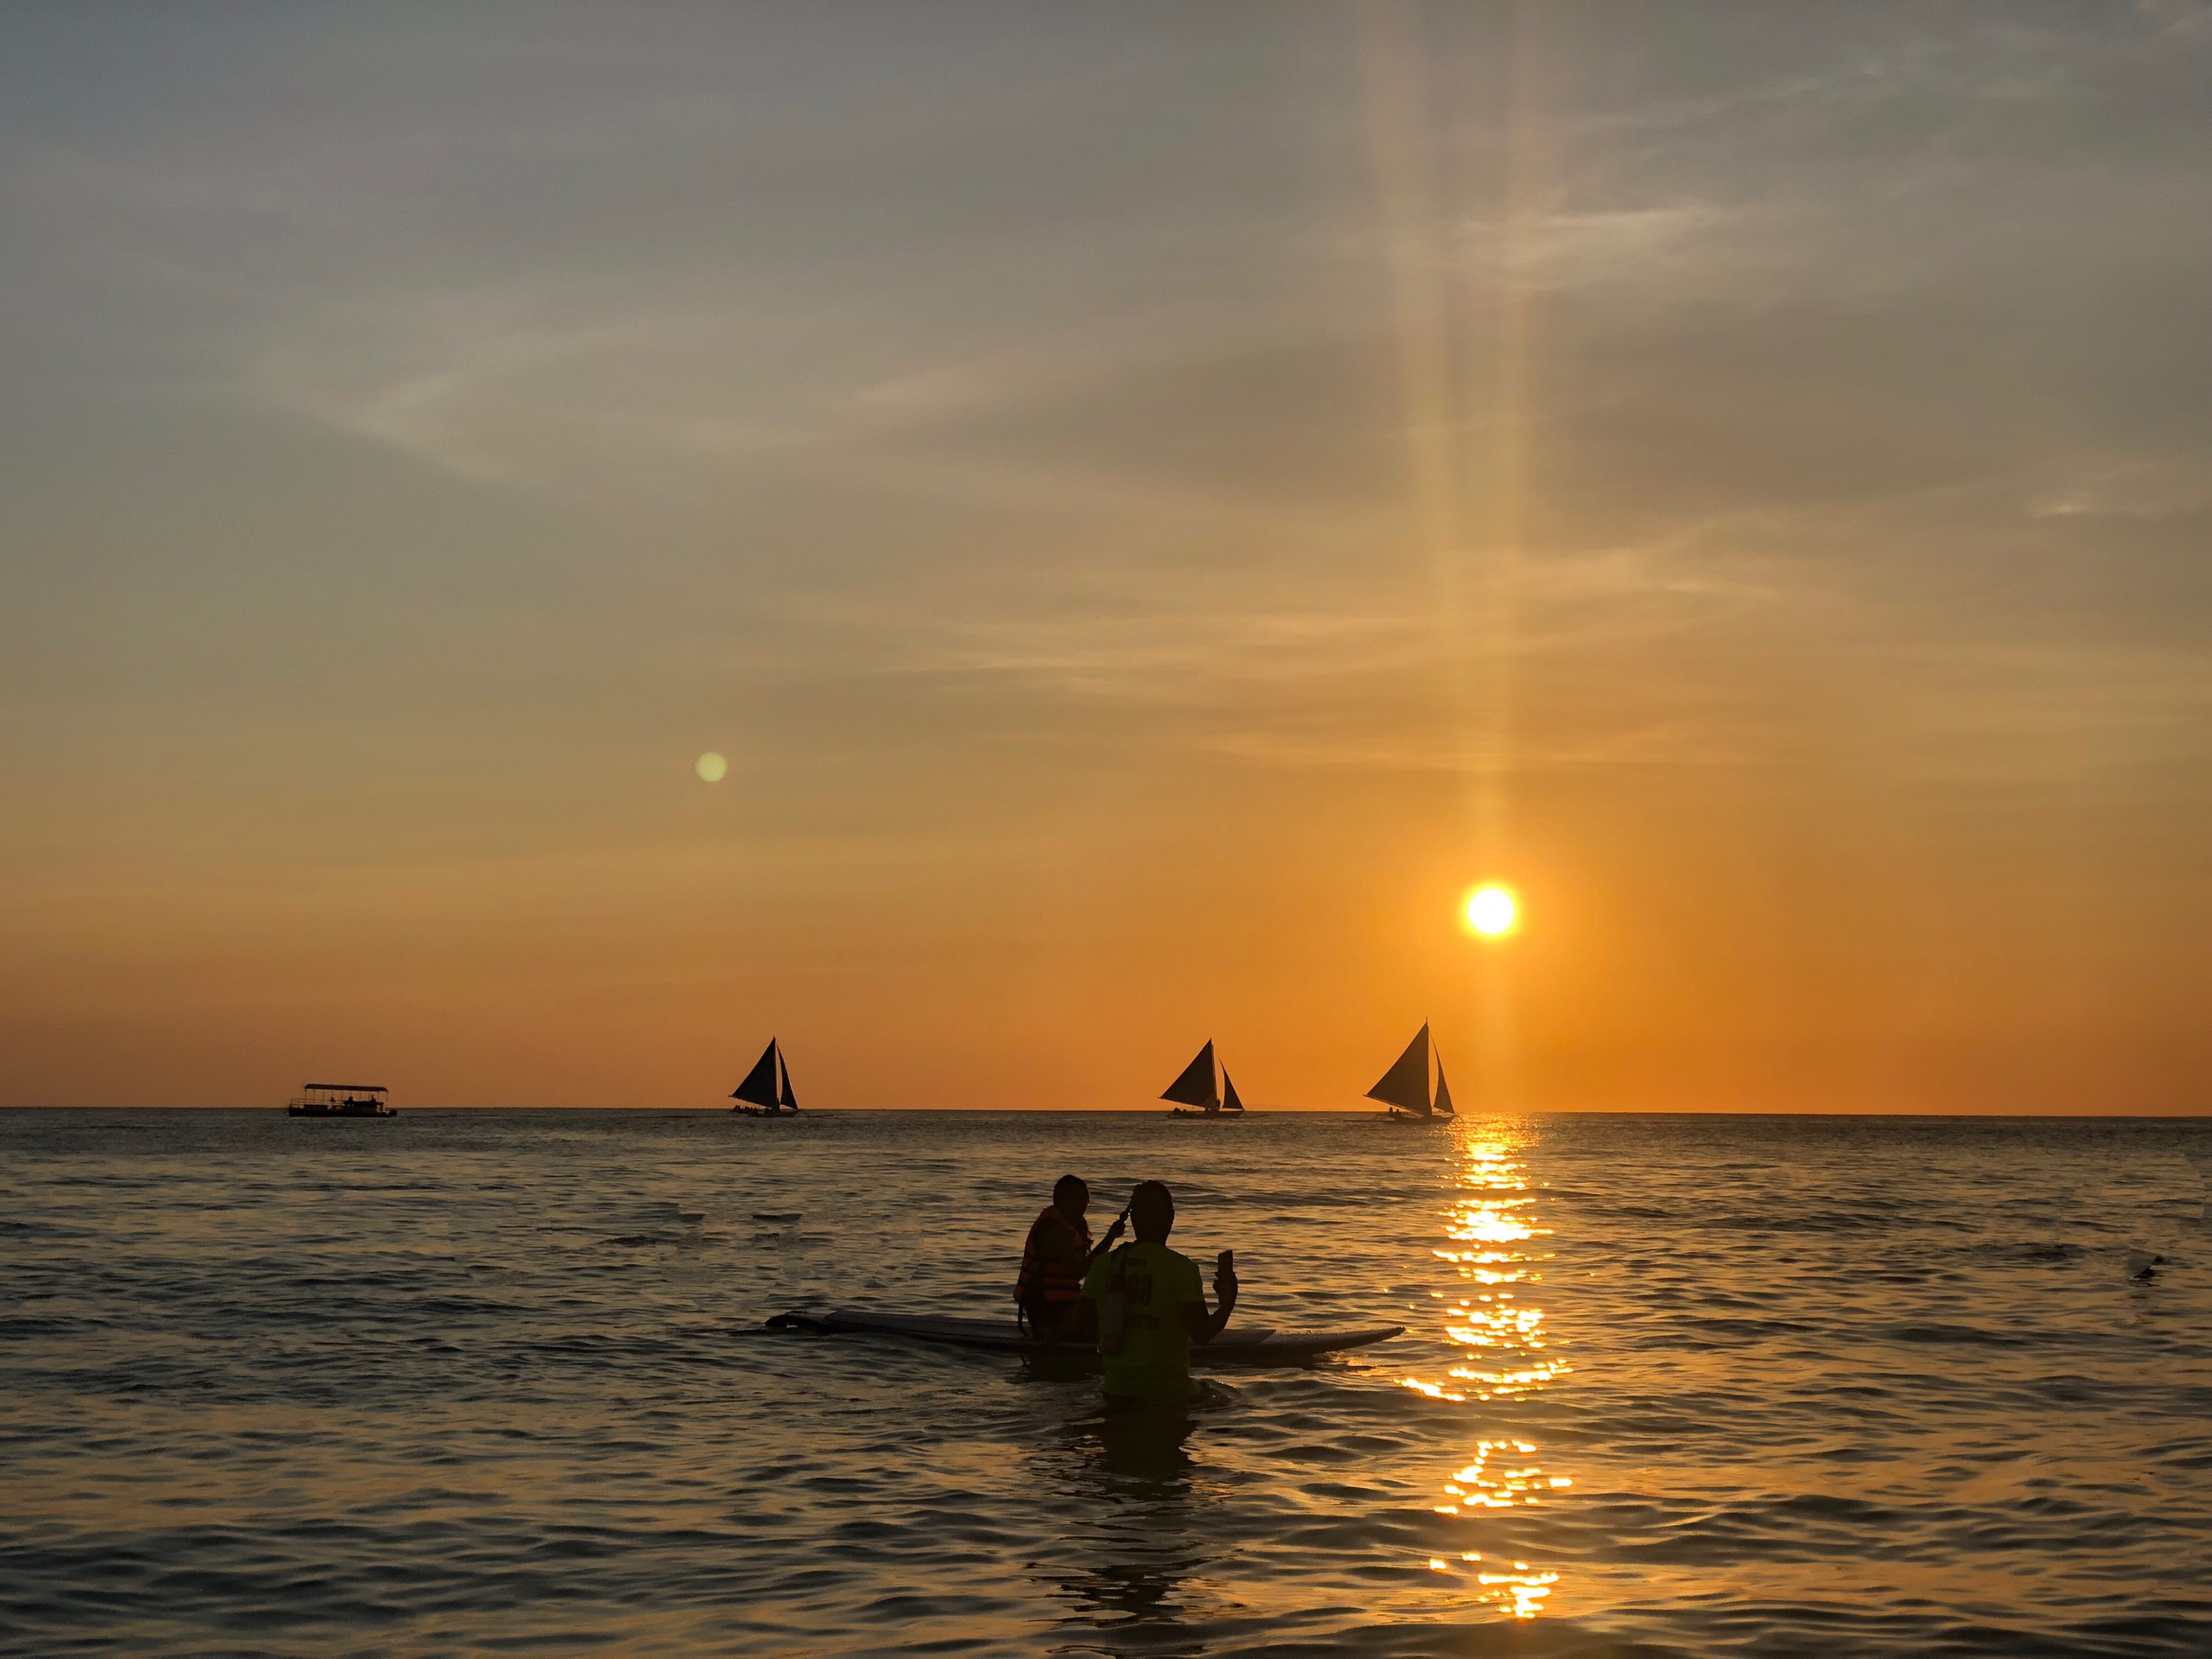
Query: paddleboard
{"type": "Point", "coordinates": [1238, 1346]}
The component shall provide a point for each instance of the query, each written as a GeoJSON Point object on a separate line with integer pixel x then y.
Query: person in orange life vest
{"type": "Point", "coordinates": [1054, 1259]}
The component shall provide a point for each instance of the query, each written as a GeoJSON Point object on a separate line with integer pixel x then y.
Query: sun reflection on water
{"type": "Point", "coordinates": [1492, 1231]}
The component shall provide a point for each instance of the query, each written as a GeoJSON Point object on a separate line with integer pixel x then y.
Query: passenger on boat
{"type": "Point", "coordinates": [1054, 1259]}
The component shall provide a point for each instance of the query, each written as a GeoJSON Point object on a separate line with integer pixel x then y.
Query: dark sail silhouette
{"type": "Point", "coordinates": [1443, 1092]}
{"type": "Point", "coordinates": [766, 1090]}
{"type": "Point", "coordinates": [1405, 1085]}
{"type": "Point", "coordinates": [1195, 1086]}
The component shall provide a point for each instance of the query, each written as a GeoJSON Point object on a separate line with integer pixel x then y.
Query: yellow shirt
{"type": "Point", "coordinates": [1151, 1360]}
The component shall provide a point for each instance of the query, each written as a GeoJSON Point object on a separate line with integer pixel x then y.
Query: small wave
{"type": "Point", "coordinates": [1965, 1335]}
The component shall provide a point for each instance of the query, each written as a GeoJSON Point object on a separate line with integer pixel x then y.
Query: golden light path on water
{"type": "Point", "coordinates": [1492, 1231]}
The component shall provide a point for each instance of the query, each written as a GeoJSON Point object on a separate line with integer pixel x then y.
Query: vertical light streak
{"type": "Point", "coordinates": [1394, 82]}
{"type": "Point", "coordinates": [1513, 330]}
{"type": "Point", "coordinates": [1469, 432]}
{"type": "Point", "coordinates": [1500, 448]}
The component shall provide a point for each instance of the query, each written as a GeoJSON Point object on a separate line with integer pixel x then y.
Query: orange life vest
{"type": "Point", "coordinates": [1053, 1276]}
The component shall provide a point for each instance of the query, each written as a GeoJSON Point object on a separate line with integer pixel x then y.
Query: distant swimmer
{"type": "Point", "coordinates": [1054, 1259]}
{"type": "Point", "coordinates": [1151, 1307]}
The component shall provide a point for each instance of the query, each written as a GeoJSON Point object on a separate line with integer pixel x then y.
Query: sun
{"type": "Point", "coordinates": [1491, 911]}
{"type": "Point", "coordinates": [711, 768]}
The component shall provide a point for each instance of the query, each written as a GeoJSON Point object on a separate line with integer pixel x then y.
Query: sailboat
{"type": "Point", "coordinates": [766, 1090]}
{"type": "Point", "coordinates": [1404, 1087]}
{"type": "Point", "coordinates": [1194, 1087]}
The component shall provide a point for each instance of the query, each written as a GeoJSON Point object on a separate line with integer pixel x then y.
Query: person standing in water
{"type": "Point", "coordinates": [1054, 1259]}
{"type": "Point", "coordinates": [1151, 1307]}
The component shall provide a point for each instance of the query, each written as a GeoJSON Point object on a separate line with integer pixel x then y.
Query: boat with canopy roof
{"type": "Point", "coordinates": [341, 1100]}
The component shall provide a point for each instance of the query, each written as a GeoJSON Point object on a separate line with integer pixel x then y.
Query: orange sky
{"type": "Point", "coordinates": [1152, 507]}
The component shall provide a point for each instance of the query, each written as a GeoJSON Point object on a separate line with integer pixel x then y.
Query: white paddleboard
{"type": "Point", "coordinates": [1235, 1347]}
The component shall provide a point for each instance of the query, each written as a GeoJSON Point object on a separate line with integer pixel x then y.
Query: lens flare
{"type": "Point", "coordinates": [1492, 911]}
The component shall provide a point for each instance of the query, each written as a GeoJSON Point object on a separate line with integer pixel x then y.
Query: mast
{"type": "Point", "coordinates": [1405, 1085]}
{"type": "Point", "coordinates": [758, 1087]}
{"type": "Point", "coordinates": [1195, 1087]}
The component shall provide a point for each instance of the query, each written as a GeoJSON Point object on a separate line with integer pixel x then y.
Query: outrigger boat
{"type": "Point", "coordinates": [766, 1090]}
{"type": "Point", "coordinates": [1195, 1089]}
{"type": "Point", "coordinates": [341, 1100]}
{"type": "Point", "coordinates": [1404, 1087]}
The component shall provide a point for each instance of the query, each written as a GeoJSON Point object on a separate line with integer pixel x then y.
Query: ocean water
{"type": "Point", "coordinates": [478, 1383]}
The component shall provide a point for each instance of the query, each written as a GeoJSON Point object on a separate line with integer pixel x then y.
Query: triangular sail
{"type": "Point", "coordinates": [1195, 1087]}
{"type": "Point", "coordinates": [1405, 1085]}
{"type": "Point", "coordinates": [1443, 1090]}
{"type": "Point", "coordinates": [1229, 1101]}
{"type": "Point", "coordinates": [790, 1100]}
{"type": "Point", "coordinates": [758, 1087]}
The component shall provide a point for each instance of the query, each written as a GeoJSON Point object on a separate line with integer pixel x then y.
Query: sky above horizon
{"type": "Point", "coordinates": [1152, 503]}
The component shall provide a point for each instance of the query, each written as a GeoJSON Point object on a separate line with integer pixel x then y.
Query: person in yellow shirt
{"type": "Point", "coordinates": [1151, 1307]}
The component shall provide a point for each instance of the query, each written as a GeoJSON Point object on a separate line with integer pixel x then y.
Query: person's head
{"type": "Point", "coordinates": [1151, 1212]}
{"type": "Point", "coordinates": [1070, 1197]}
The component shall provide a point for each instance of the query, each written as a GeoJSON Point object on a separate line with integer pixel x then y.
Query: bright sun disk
{"type": "Point", "coordinates": [1491, 911]}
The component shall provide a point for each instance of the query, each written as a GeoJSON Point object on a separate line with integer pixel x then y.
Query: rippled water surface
{"type": "Point", "coordinates": [474, 1383]}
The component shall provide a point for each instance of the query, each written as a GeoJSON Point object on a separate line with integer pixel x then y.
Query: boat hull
{"type": "Point", "coordinates": [1231, 1347]}
{"type": "Point", "coordinates": [334, 1111]}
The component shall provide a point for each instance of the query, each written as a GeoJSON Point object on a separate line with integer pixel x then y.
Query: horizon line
{"type": "Point", "coordinates": [1272, 1111]}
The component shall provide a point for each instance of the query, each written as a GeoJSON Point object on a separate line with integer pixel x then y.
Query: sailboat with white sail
{"type": "Point", "coordinates": [1404, 1087]}
{"type": "Point", "coordinates": [766, 1090]}
{"type": "Point", "coordinates": [1195, 1094]}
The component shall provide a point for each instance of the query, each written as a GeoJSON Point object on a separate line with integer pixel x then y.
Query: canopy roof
{"type": "Point", "coordinates": [350, 1087]}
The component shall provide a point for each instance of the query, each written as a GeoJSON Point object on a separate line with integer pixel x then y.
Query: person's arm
{"type": "Point", "coordinates": [1203, 1326]}
{"type": "Point", "coordinates": [1107, 1242]}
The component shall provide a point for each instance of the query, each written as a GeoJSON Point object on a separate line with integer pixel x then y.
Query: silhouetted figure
{"type": "Point", "coordinates": [1054, 1259]}
{"type": "Point", "coordinates": [1151, 1307]}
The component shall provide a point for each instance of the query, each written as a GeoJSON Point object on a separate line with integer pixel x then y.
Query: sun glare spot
{"type": "Point", "coordinates": [711, 767]}
{"type": "Point", "coordinates": [1492, 911]}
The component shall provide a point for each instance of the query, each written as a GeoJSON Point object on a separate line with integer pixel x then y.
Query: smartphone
{"type": "Point", "coordinates": [1225, 1262]}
